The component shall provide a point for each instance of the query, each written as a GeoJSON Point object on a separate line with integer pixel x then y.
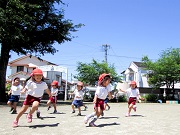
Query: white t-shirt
{"type": "Point", "coordinates": [55, 91]}
{"type": "Point", "coordinates": [78, 93]}
{"type": "Point", "coordinates": [36, 89]}
{"type": "Point", "coordinates": [16, 89]}
{"type": "Point", "coordinates": [132, 92]}
{"type": "Point", "coordinates": [102, 92]}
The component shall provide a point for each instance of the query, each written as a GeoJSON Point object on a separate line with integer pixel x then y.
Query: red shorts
{"type": "Point", "coordinates": [53, 99]}
{"type": "Point", "coordinates": [99, 103]}
{"type": "Point", "coordinates": [30, 99]}
{"type": "Point", "coordinates": [132, 100]}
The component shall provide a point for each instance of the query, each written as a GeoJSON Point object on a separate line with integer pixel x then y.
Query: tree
{"type": "Point", "coordinates": [31, 27]}
{"type": "Point", "coordinates": [89, 72]}
{"type": "Point", "coordinates": [166, 70]}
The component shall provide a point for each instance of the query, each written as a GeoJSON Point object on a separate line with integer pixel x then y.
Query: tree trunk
{"type": "Point", "coordinates": [4, 58]}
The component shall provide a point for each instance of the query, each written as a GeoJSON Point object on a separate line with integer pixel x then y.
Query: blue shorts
{"type": "Point", "coordinates": [106, 100]}
{"type": "Point", "coordinates": [77, 103]}
{"type": "Point", "coordinates": [14, 98]}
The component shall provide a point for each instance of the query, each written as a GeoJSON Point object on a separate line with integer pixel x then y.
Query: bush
{"type": "Point", "coordinates": [151, 97]}
{"type": "Point", "coordinates": [122, 98]}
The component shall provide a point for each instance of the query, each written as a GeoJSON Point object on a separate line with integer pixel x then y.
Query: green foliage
{"type": "Point", "coordinates": [166, 70]}
{"type": "Point", "coordinates": [89, 72]}
{"type": "Point", "coordinates": [31, 27]}
{"type": "Point", "coordinates": [151, 97]}
{"type": "Point", "coordinates": [34, 26]}
{"type": "Point", "coordinates": [122, 98]}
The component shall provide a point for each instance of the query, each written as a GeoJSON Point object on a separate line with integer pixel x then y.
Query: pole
{"type": "Point", "coordinates": [65, 94]}
{"type": "Point", "coordinates": [105, 49]}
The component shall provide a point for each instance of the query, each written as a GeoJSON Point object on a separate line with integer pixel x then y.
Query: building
{"type": "Point", "coordinates": [23, 66]}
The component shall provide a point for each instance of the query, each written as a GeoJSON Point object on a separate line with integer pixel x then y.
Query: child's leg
{"type": "Point", "coordinates": [130, 108]}
{"type": "Point", "coordinates": [9, 103]}
{"type": "Point", "coordinates": [34, 107]}
{"type": "Point", "coordinates": [98, 113]}
{"type": "Point", "coordinates": [48, 102]}
{"type": "Point", "coordinates": [54, 105]}
{"type": "Point", "coordinates": [72, 105]}
{"type": "Point", "coordinates": [14, 105]}
{"type": "Point", "coordinates": [21, 112]}
{"type": "Point", "coordinates": [79, 109]}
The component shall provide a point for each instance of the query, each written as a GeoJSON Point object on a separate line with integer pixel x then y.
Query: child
{"type": "Point", "coordinates": [54, 93]}
{"type": "Point", "coordinates": [15, 94]}
{"type": "Point", "coordinates": [35, 91]}
{"type": "Point", "coordinates": [101, 93]}
{"type": "Point", "coordinates": [132, 93]}
{"type": "Point", "coordinates": [29, 79]}
{"type": "Point", "coordinates": [78, 98]}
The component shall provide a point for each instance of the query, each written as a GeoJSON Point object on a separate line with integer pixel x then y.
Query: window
{"type": "Point", "coordinates": [20, 68]}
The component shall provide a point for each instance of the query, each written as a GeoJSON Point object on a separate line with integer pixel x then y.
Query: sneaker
{"type": "Point", "coordinates": [15, 123]}
{"type": "Point", "coordinates": [127, 115]}
{"type": "Point", "coordinates": [109, 107]}
{"type": "Point", "coordinates": [134, 108]}
{"type": "Point", "coordinates": [86, 120]}
{"type": "Point", "coordinates": [91, 124]}
{"type": "Point", "coordinates": [55, 111]}
{"type": "Point", "coordinates": [38, 114]}
{"type": "Point", "coordinates": [14, 112]}
{"type": "Point", "coordinates": [29, 118]}
{"type": "Point", "coordinates": [11, 109]}
{"type": "Point", "coordinates": [85, 108]}
{"type": "Point", "coordinates": [48, 108]}
{"type": "Point", "coordinates": [73, 111]}
{"type": "Point", "coordinates": [79, 114]}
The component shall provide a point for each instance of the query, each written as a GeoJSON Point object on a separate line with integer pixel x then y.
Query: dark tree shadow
{"type": "Point", "coordinates": [42, 125]}
{"type": "Point", "coordinates": [109, 117]}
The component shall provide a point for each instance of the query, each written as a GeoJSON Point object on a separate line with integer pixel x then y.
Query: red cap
{"type": "Point", "coordinates": [54, 83]}
{"type": "Point", "coordinates": [37, 71]}
{"type": "Point", "coordinates": [133, 82]}
{"type": "Point", "coordinates": [101, 77]}
{"type": "Point", "coordinates": [80, 84]}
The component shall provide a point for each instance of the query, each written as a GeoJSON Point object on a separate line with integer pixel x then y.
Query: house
{"type": "Point", "coordinates": [137, 72]}
{"type": "Point", "coordinates": [23, 66]}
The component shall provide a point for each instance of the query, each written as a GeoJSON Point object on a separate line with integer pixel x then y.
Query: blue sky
{"type": "Point", "coordinates": [132, 29]}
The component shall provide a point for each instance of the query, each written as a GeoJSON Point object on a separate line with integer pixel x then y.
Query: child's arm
{"type": "Point", "coordinates": [48, 92]}
{"type": "Point", "coordinates": [122, 90]}
{"type": "Point", "coordinates": [23, 90]}
{"type": "Point", "coordinates": [9, 92]}
{"type": "Point", "coordinates": [110, 96]}
{"type": "Point", "coordinates": [140, 98]}
{"type": "Point", "coordinates": [95, 99]}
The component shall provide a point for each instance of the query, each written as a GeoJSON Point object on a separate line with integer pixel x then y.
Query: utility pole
{"type": "Point", "coordinates": [105, 49]}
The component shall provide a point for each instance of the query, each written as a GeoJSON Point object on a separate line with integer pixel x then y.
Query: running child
{"type": "Point", "coordinates": [78, 98]}
{"type": "Point", "coordinates": [100, 95]}
{"type": "Point", "coordinates": [133, 94]}
{"type": "Point", "coordinates": [15, 92]}
{"type": "Point", "coordinates": [54, 93]}
{"type": "Point", "coordinates": [35, 91]}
